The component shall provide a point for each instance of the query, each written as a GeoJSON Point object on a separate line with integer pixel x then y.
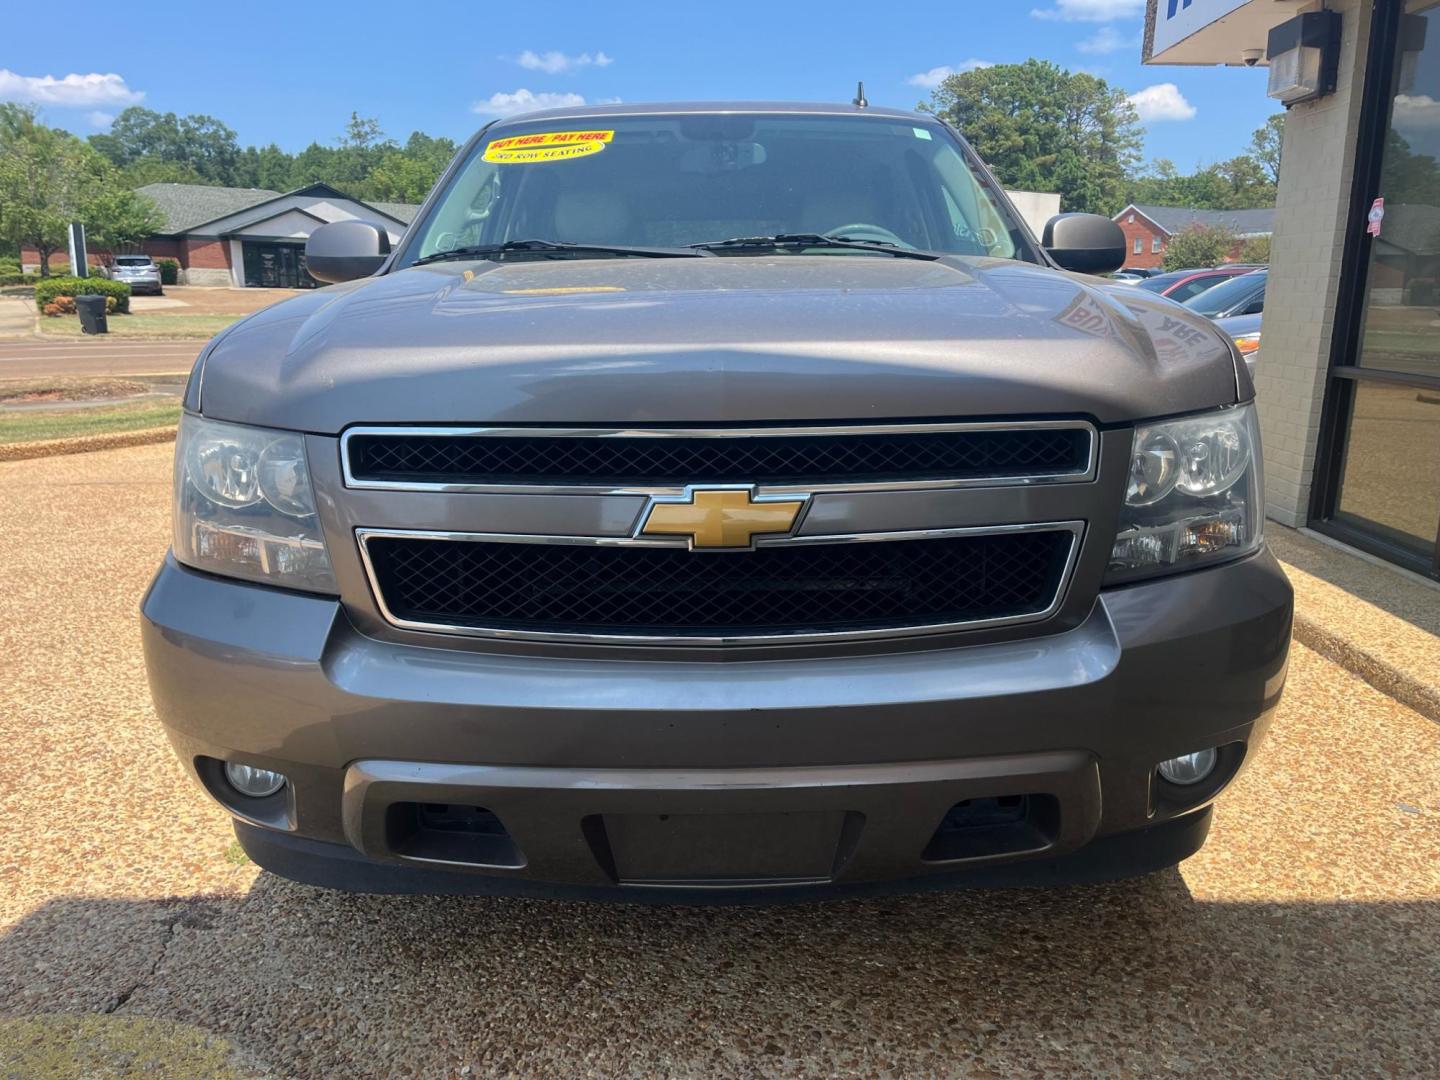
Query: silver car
{"type": "Point", "coordinates": [717, 502]}
{"type": "Point", "coordinates": [139, 272]}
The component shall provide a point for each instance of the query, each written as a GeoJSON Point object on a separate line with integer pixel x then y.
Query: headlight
{"type": "Point", "coordinates": [244, 506]}
{"type": "Point", "coordinates": [1194, 494]}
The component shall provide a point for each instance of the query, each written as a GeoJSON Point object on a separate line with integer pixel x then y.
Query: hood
{"type": "Point", "coordinates": [713, 340]}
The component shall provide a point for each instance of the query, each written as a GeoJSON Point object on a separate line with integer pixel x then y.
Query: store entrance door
{"type": "Point", "coordinates": [273, 265]}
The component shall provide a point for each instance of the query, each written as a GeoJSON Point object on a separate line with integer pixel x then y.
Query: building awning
{"type": "Point", "coordinates": [1211, 31]}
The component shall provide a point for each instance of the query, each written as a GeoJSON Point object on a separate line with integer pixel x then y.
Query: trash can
{"type": "Point", "coordinates": [92, 314]}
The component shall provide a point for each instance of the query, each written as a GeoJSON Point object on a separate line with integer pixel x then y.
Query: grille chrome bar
{"type": "Point", "coordinates": [1084, 472]}
{"type": "Point", "coordinates": [1075, 529]}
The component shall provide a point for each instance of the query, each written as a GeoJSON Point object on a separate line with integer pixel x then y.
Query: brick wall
{"type": "Point", "coordinates": [1141, 229]}
{"type": "Point", "coordinates": [206, 253]}
{"type": "Point", "coordinates": [1311, 215]}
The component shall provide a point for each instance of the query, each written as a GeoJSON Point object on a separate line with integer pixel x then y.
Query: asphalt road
{"type": "Point", "coordinates": [1303, 940]}
{"type": "Point", "coordinates": [37, 359]}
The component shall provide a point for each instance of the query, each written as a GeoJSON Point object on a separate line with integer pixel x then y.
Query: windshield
{"type": "Point", "coordinates": [678, 180]}
{"type": "Point", "coordinates": [1225, 296]}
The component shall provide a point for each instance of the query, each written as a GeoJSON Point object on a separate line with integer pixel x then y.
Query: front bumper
{"type": "Point", "coordinates": [663, 777]}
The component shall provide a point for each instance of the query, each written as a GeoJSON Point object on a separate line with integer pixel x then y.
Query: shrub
{"type": "Point", "coordinates": [169, 271]}
{"type": "Point", "coordinates": [52, 310]}
{"type": "Point", "coordinates": [1256, 250]}
{"type": "Point", "coordinates": [17, 279]}
{"type": "Point", "coordinates": [1198, 246]}
{"type": "Point", "coordinates": [110, 305]}
{"type": "Point", "coordinates": [47, 290]}
{"type": "Point", "coordinates": [65, 305]}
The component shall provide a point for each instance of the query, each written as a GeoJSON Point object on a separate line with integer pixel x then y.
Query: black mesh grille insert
{"type": "Point", "coordinates": [798, 459]}
{"type": "Point", "coordinates": [784, 589]}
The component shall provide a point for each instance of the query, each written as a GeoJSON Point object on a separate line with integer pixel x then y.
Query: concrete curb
{"type": "Point", "coordinates": [1384, 676]}
{"type": "Point", "coordinates": [85, 443]}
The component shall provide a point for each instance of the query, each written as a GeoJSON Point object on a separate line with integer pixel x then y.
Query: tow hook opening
{"type": "Point", "coordinates": [450, 833]}
{"type": "Point", "coordinates": [983, 828]}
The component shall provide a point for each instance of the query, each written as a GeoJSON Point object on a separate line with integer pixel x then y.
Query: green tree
{"type": "Point", "coordinates": [1042, 128]}
{"type": "Point", "coordinates": [408, 174]}
{"type": "Point", "coordinates": [1198, 246]}
{"type": "Point", "coordinates": [199, 141]}
{"type": "Point", "coordinates": [265, 167]}
{"type": "Point", "coordinates": [1265, 145]}
{"type": "Point", "coordinates": [49, 178]}
{"type": "Point", "coordinates": [1240, 183]}
{"type": "Point", "coordinates": [158, 171]}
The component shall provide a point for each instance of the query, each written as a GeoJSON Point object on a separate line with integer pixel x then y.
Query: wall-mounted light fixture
{"type": "Point", "coordinates": [1304, 57]}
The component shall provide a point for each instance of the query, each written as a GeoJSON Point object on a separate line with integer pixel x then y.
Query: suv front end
{"type": "Point", "coordinates": [717, 578]}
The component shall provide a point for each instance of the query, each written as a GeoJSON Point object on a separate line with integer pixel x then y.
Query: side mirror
{"type": "Point", "coordinates": [346, 250]}
{"type": "Point", "coordinates": [1085, 243]}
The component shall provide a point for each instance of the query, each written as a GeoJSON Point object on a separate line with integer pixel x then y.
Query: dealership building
{"type": "Point", "coordinates": [250, 236]}
{"type": "Point", "coordinates": [1348, 375]}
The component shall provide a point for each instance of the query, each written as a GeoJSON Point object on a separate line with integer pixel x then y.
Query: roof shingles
{"type": "Point", "coordinates": [1174, 219]}
{"type": "Point", "coordinates": [188, 206]}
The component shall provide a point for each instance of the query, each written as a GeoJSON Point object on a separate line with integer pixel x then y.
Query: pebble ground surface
{"type": "Point", "coordinates": [135, 940]}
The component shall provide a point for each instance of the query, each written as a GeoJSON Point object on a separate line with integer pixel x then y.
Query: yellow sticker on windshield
{"type": "Point", "coordinates": [546, 146]}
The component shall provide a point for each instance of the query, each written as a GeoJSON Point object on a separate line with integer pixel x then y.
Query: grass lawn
{"type": "Point", "coordinates": [29, 426]}
{"type": "Point", "coordinates": [156, 327]}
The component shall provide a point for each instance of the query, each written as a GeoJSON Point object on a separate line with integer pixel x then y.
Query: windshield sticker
{"type": "Point", "coordinates": [921, 133]}
{"type": "Point", "coordinates": [546, 146]}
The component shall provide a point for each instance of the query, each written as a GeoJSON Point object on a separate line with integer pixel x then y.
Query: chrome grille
{"type": "Point", "coordinates": [556, 460]}
{"type": "Point", "coordinates": [777, 591]}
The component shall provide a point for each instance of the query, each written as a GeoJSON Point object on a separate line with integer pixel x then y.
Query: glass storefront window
{"type": "Point", "coordinates": [1380, 479]}
{"type": "Point", "coordinates": [1402, 302]}
{"type": "Point", "coordinates": [1390, 481]}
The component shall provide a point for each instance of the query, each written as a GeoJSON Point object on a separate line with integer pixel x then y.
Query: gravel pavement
{"type": "Point", "coordinates": [1304, 939]}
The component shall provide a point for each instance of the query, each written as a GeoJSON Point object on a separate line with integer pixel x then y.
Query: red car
{"type": "Point", "coordinates": [1181, 285]}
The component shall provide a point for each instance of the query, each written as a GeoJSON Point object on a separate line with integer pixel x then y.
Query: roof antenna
{"type": "Point", "coordinates": [860, 102]}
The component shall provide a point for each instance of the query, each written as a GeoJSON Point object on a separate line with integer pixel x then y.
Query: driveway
{"type": "Point", "coordinates": [1302, 940]}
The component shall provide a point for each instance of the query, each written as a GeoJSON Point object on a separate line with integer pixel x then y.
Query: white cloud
{"type": "Point", "coordinates": [936, 75]}
{"type": "Point", "coordinates": [554, 62]}
{"type": "Point", "coordinates": [71, 92]}
{"type": "Point", "coordinates": [1163, 101]}
{"type": "Point", "coordinates": [523, 101]}
{"type": "Point", "coordinates": [1107, 40]}
{"type": "Point", "coordinates": [100, 119]}
{"type": "Point", "coordinates": [1091, 10]}
{"type": "Point", "coordinates": [1416, 112]}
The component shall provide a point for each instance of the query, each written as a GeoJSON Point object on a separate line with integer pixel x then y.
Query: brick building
{"type": "Point", "coordinates": [250, 236]}
{"type": "Point", "coordinates": [1148, 229]}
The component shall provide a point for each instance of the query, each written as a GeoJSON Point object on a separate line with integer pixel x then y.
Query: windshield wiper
{"type": "Point", "coordinates": [800, 241]}
{"type": "Point", "coordinates": [556, 249]}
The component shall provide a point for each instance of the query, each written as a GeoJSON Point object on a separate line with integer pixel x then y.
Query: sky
{"type": "Point", "coordinates": [291, 73]}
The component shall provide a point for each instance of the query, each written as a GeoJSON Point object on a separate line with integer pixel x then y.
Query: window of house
{"type": "Point", "coordinates": [1155, 246]}
{"type": "Point", "coordinates": [1139, 245]}
{"type": "Point", "coordinates": [1132, 219]}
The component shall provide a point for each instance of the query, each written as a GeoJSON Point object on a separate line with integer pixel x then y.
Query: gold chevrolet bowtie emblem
{"type": "Point", "coordinates": [721, 517]}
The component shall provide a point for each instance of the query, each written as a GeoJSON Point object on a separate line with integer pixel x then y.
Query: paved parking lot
{"type": "Point", "coordinates": [1304, 939]}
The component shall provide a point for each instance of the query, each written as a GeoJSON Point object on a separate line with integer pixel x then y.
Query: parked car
{"type": "Point", "coordinates": [1240, 295]}
{"type": "Point", "coordinates": [1181, 285]}
{"type": "Point", "coordinates": [139, 272]}
{"type": "Point", "coordinates": [1244, 331]}
{"type": "Point", "coordinates": [1134, 273]}
{"type": "Point", "coordinates": [717, 502]}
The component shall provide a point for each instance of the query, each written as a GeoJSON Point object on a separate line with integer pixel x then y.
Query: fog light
{"type": "Point", "coordinates": [248, 780]}
{"type": "Point", "coordinates": [1189, 768]}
